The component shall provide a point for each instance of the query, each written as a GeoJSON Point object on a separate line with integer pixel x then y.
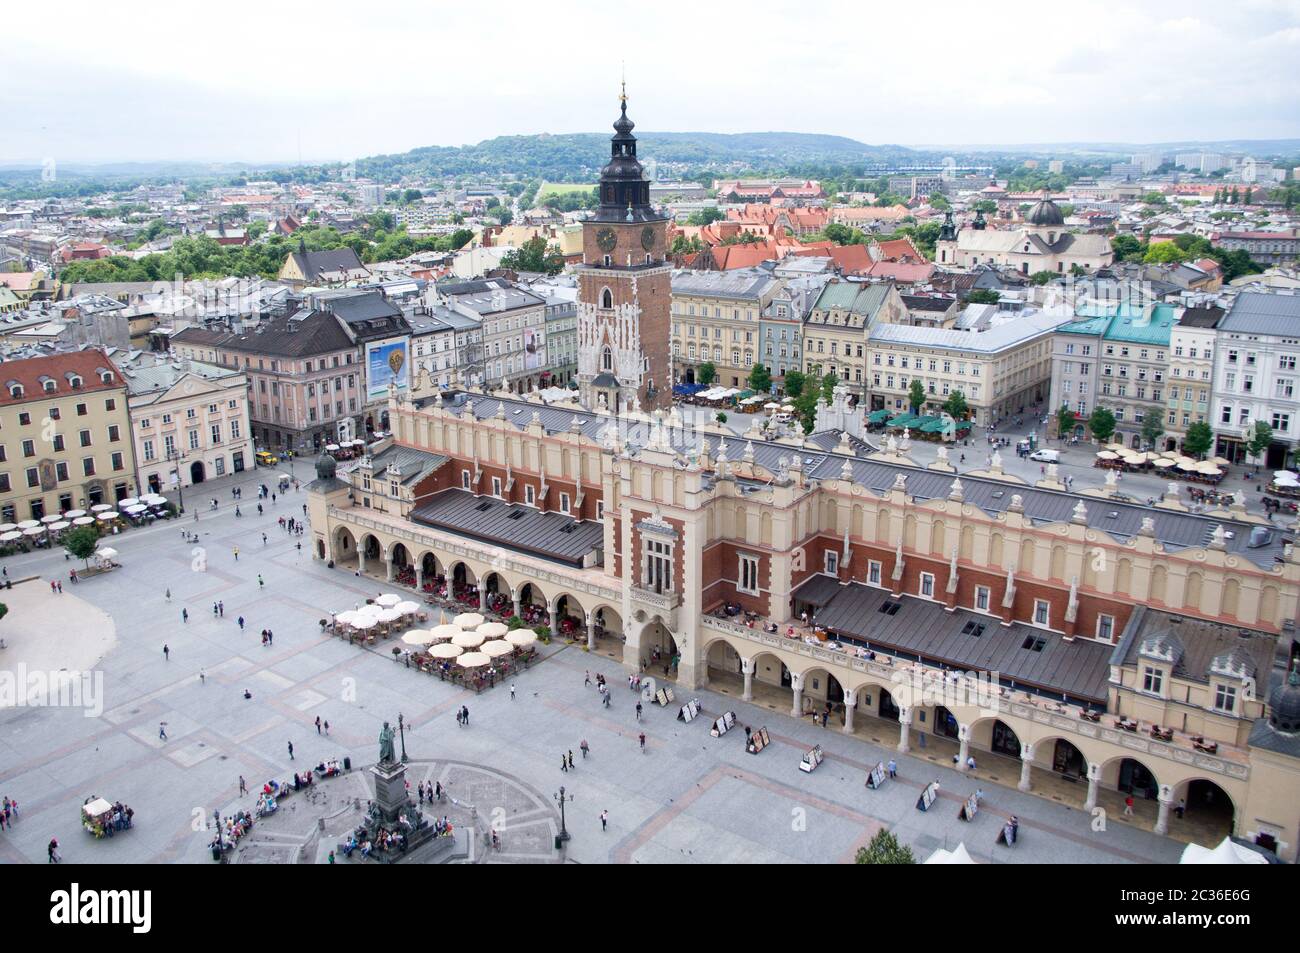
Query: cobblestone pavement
{"type": "Point", "coordinates": [687, 797]}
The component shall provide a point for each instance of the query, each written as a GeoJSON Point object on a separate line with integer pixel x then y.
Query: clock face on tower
{"type": "Point", "coordinates": [648, 238]}
{"type": "Point", "coordinates": [606, 239]}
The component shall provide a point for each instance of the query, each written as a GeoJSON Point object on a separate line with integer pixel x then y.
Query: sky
{"type": "Point", "coordinates": [276, 81]}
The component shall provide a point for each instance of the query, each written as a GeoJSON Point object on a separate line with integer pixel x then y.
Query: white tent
{"type": "Point", "coordinates": [957, 855]}
{"type": "Point", "coordinates": [1226, 853]}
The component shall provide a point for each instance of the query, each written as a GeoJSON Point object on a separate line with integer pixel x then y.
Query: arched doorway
{"type": "Point", "coordinates": [196, 471]}
{"type": "Point", "coordinates": [945, 723]}
{"type": "Point", "coordinates": [1067, 760]}
{"type": "Point", "coordinates": [344, 548]}
{"type": "Point", "coordinates": [155, 484]}
{"type": "Point", "coordinates": [570, 617]}
{"type": "Point", "coordinates": [403, 571]}
{"type": "Point", "coordinates": [887, 708]}
{"type": "Point", "coordinates": [431, 575]}
{"type": "Point", "coordinates": [372, 552]}
{"type": "Point", "coordinates": [532, 605]}
{"type": "Point", "coordinates": [498, 595]}
{"type": "Point", "coordinates": [1003, 740]}
{"type": "Point", "coordinates": [725, 667]}
{"type": "Point", "coordinates": [608, 627]}
{"type": "Point", "coordinates": [1208, 813]}
{"type": "Point", "coordinates": [1135, 779]}
{"type": "Point", "coordinates": [659, 653]}
{"type": "Point", "coordinates": [464, 585]}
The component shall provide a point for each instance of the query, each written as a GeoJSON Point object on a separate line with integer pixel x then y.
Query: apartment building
{"type": "Point", "coordinates": [513, 324]}
{"type": "Point", "coordinates": [189, 422]}
{"type": "Point", "coordinates": [1256, 376]}
{"type": "Point", "coordinates": [835, 333]}
{"type": "Point", "coordinates": [64, 435]}
{"type": "Point", "coordinates": [716, 318]}
{"type": "Point", "coordinates": [1191, 373]}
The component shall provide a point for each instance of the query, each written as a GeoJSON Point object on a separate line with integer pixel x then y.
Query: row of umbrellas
{"type": "Point", "coordinates": [103, 512]}
{"type": "Point", "coordinates": [450, 640]}
{"type": "Point", "coordinates": [1212, 467]}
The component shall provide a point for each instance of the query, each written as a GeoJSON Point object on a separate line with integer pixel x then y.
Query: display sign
{"type": "Point", "coordinates": [385, 363]}
{"type": "Point", "coordinates": [969, 809]}
{"type": "Point", "coordinates": [723, 724]}
{"type": "Point", "coordinates": [532, 350]}
{"type": "Point", "coordinates": [758, 740]}
{"type": "Point", "coordinates": [812, 759]}
{"type": "Point", "coordinates": [927, 796]}
{"type": "Point", "coordinates": [664, 697]}
{"type": "Point", "coordinates": [689, 710]}
{"type": "Point", "coordinates": [876, 779]}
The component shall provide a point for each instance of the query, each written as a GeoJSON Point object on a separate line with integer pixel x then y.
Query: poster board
{"type": "Point", "coordinates": [969, 809]}
{"type": "Point", "coordinates": [927, 796]}
{"type": "Point", "coordinates": [724, 724]}
{"type": "Point", "coordinates": [758, 740]}
{"type": "Point", "coordinates": [664, 697]}
{"type": "Point", "coordinates": [811, 759]}
{"type": "Point", "coordinates": [876, 779]}
{"type": "Point", "coordinates": [689, 710]}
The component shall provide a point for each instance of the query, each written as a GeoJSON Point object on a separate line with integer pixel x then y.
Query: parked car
{"type": "Point", "coordinates": [1046, 456]}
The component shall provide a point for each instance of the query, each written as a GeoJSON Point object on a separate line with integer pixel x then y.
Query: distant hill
{"type": "Point", "coordinates": [579, 156]}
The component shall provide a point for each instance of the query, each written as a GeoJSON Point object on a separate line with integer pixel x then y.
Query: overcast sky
{"type": "Point", "coordinates": [271, 81]}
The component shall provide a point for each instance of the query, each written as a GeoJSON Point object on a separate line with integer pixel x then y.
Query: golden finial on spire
{"type": "Point", "coordinates": [622, 97]}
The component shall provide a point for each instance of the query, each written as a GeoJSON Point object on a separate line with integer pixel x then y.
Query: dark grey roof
{"type": "Point", "coordinates": [1173, 529]}
{"type": "Point", "coordinates": [551, 536]}
{"type": "Point", "coordinates": [928, 631]}
{"type": "Point", "coordinates": [352, 306]}
{"type": "Point", "coordinates": [1254, 312]}
{"type": "Point", "coordinates": [1045, 213]}
{"type": "Point", "coordinates": [1202, 317]}
{"type": "Point", "coordinates": [412, 465]}
{"type": "Point", "coordinates": [313, 264]}
{"type": "Point", "coordinates": [604, 380]}
{"type": "Point", "coordinates": [300, 335]}
{"type": "Point", "coordinates": [1196, 643]}
{"type": "Point", "coordinates": [817, 590]}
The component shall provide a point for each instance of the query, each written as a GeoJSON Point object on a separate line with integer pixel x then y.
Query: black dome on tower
{"type": "Point", "coordinates": [1045, 213]}
{"type": "Point", "coordinates": [624, 190]}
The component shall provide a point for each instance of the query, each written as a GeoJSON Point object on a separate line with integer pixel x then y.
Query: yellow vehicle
{"type": "Point", "coordinates": [266, 458]}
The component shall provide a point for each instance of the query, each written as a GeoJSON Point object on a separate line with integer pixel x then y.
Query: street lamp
{"type": "Point", "coordinates": [561, 798]}
{"type": "Point", "coordinates": [401, 730]}
{"type": "Point", "coordinates": [176, 458]}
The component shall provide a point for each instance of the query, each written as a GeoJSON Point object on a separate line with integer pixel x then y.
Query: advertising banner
{"type": "Point", "coordinates": [385, 362]}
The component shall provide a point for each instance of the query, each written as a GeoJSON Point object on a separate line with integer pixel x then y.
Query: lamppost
{"type": "Point", "coordinates": [401, 731]}
{"type": "Point", "coordinates": [176, 458]}
{"type": "Point", "coordinates": [561, 798]}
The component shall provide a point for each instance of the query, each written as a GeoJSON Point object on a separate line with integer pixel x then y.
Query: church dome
{"type": "Point", "coordinates": [1045, 213]}
{"type": "Point", "coordinates": [1284, 705]}
{"type": "Point", "coordinates": [326, 466]}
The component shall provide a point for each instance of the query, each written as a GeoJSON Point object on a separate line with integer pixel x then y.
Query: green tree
{"type": "Point", "coordinates": [4, 610]}
{"type": "Point", "coordinates": [760, 378]}
{"type": "Point", "coordinates": [955, 406]}
{"type": "Point", "coordinates": [81, 543]}
{"type": "Point", "coordinates": [794, 383]}
{"type": "Point", "coordinates": [987, 206]}
{"type": "Point", "coordinates": [937, 201]}
{"type": "Point", "coordinates": [534, 255]}
{"type": "Point", "coordinates": [916, 394]}
{"type": "Point", "coordinates": [1064, 420]}
{"type": "Point", "coordinates": [1152, 427]}
{"type": "Point", "coordinates": [829, 383]}
{"type": "Point", "coordinates": [705, 216]}
{"type": "Point", "coordinates": [1042, 277]}
{"type": "Point", "coordinates": [1261, 437]}
{"type": "Point", "coordinates": [884, 849]}
{"type": "Point", "coordinates": [720, 417]}
{"type": "Point", "coordinates": [706, 373]}
{"type": "Point", "coordinates": [1127, 248]}
{"type": "Point", "coordinates": [1198, 440]}
{"type": "Point", "coordinates": [983, 296]}
{"type": "Point", "coordinates": [1101, 424]}
{"type": "Point", "coordinates": [1164, 253]}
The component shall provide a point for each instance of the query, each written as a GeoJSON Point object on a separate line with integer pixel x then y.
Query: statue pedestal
{"type": "Point", "coordinates": [390, 789]}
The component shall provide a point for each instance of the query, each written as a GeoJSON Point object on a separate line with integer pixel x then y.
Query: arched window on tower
{"type": "Point", "coordinates": [607, 359]}
{"type": "Point", "coordinates": [607, 299]}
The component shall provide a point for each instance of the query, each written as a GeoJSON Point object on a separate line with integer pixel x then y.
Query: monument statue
{"type": "Point", "coordinates": [386, 753]}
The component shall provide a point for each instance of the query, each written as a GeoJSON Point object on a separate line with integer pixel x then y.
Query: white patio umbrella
{"type": "Point", "coordinates": [331, 447]}
{"type": "Point", "coordinates": [83, 521]}
{"type": "Point", "coordinates": [8, 527]}
{"type": "Point", "coordinates": [496, 648]}
{"type": "Point", "coordinates": [10, 536]}
{"type": "Point", "coordinates": [129, 501]}
{"type": "Point", "coordinates": [73, 514]}
{"type": "Point", "coordinates": [388, 615]}
{"type": "Point", "coordinates": [1107, 455]}
{"type": "Point", "coordinates": [107, 515]}
{"type": "Point", "coordinates": [137, 508]}
{"type": "Point", "coordinates": [492, 630]}
{"type": "Point", "coordinates": [521, 638]}
{"type": "Point", "coordinates": [347, 618]}
{"type": "Point", "coordinates": [154, 500]}
{"type": "Point", "coordinates": [407, 607]}
{"type": "Point", "coordinates": [1162, 464]}
{"type": "Point", "coordinates": [28, 524]}
{"type": "Point", "coordinates": [445, 650]}
{"type": "Point", "coordinates": [34, 531]}
{"type": "Point", "coordinates": [445, 633]}
{"type": "Point", "coordinates": [60, 525]}
{"type": "Point", "coordinates": [283, 476]}
{"type": "Point", "coordinates": [51, 518]}
{"type": "Point", "coordinates": [100, 508]}
{"type": "Point", "coordinates": [365, 622]}
{"type": "Point", "coordinates": [473, 660]}
{"type": "Point", "coordinates": [416, 637]}
{"type": "Point", "coordinates": [467, 640]}
{"type": "Point", "coordinates": [107, 552]}
{"type": "Point", "coordinates": [388, 599]}
{"type": "Point", "coordinates": [468, 620]}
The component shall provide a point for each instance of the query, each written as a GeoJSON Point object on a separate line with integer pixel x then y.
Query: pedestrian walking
{"type": "Point", "coordinates": [185, 615]}
{"type": "Point", "coordinates": [465, 712]}
{"type": "Point", "coordinates": [53, 850]}
{"type": "Point", "coordinates": [221, 609]}
{"type": "Point", "coordinates": [236, 554]}
{"type": "Point", "coordinates": [327, 728]}
{"type": "Point", "coordinates": [584, 748]}
{"type": "Point", "coordinates": [643, 742]}
{"type": "Point", "coordinates": [638, 711]}
{"type": "Point", "coordinates": [605, 700]}
{"type": "Point", "coordinates": [243, 785]}
{"type": "Point", "coordinates": [263, 539]}
{"type": "Point", "coordinates": [260, 582]}
{"type": "Point", "coordinates": [512, 691]}
{"type": "Point", "coordinates": [564, 764]}
{"type": "Point", "coordinates": [214, 610]}
{"type": "Point", "coordinates": [570, 759]}
{"type": "Point", "coordinates": [202, 678]}
{"type": "Point", "coordinates": [586, 678]}
{"type": "Point", "coordinates": [167, 652]}
{"type": "Point", "coordinates": [241, 623]}
{"type": "Point", "coordinates": [604, 820]}
{"type": "Point", "coordinates": [1128, 806]}
{"type": "Point", "coordinates": [162, 730]}
{"type": "Point", "coordinates": [169, 595]}
{"type": "Point", "coordinates": [318, 724]}
{"type": "Point", "coordinates": [893, 768]}
{"type": "Point", "coordinates": [290, 750]}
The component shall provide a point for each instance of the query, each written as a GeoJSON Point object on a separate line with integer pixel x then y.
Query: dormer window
{"type": "Point", "coordinates": [49, 387]}
{"type": "Point", "coordinates": [106, 377]}
{"type": "Point", "coordinates": [75, 382]}
{"type": "Point", "coordinates": [15, 390]}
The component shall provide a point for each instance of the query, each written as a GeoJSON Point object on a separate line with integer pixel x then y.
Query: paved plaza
{"type": "Point", "coordinates": [689, 797]}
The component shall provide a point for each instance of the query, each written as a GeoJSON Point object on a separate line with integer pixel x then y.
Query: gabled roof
{"type": "Point", "coordinates": [1253, 312]}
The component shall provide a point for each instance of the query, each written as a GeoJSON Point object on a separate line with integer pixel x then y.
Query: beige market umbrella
{"type": "Point", "coordinates": [1107, 455]}
{"type": "Point", "coordinates": [468, 620]}
{"type": "Point", "coordinates": [388, 599]}
{"type": "Point", "coordinates": [107, 515]}
{"type": "Point", "coordinates": [1209, 471]}
{"type": "Point", "coordinates": [521, 638]}
{"type": "Point", "coordinates": [468, 640]}
{"type": "Point", "coordinates": [445, 650]}
{"type": "Point", "coordinates": [492, 630]}
{"type": "Point", "coordinates": [83, 521]}
{"type": "Point", "coordinates": [1221, 462]}
{"type": "Point", "coordinates": [417, 637]}
{"type": "Point", "coordinates": [61, 524]}
{"type": "Point", "coordinates": [10, 536]}
{"type": "Point", "coordinates": [496, 648]}
{"type": "Point", "coordinates": [407, 607]}
{"type": "Point", "coordinates": [1162, 464]}
{"type": "Point", "coordinates": [29, 524]}
{"type": "Point", "coordinates": [473, 660]}
{"type": "Point", "coordinates": [444, 633]}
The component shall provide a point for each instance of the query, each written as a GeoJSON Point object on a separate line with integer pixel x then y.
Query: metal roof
{"type": "Point", "coordinates": [1255, 313]}
{"type": "Point", "coordinates": [925, 629]}
{"type": "Point", "coordinates": [515, 526]}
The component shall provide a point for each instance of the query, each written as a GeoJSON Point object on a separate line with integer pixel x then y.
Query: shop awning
{"type": "Point", "coordinates": [878, 416]}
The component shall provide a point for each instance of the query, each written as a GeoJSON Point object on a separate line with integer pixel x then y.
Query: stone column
{"type": "Point", "coordinates": [1026, 767]}
{"type": "Point", "coordinates": [747, 669]}
{"type": "Point", "coordinates": [419, 577]}
{"type": "Point", "coordinates": [514, 597]}
{"type": "Point", "coordinates": [1094, 775]}
{"type": "Point", "coordinates": [361, 559]}
{"type": "Point", "coordinates": [963, 751]}
{"type": "Point", "coordinates": [555, 622]}
{"type": "Point", "coordinates": [591, 633]}
{"type": "Point", "coordinates": [482, 597]}
{"type": "Point", "coordinates": [796, 707]}
{"type": "Point", "coordinates": [1165, 798]}
{"type": "Point", "coordinates": [904, 727]}
{"type": "Point", "coordinates": [850, 703]}
{"type": "Point", "coordinates": [388, 568]}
